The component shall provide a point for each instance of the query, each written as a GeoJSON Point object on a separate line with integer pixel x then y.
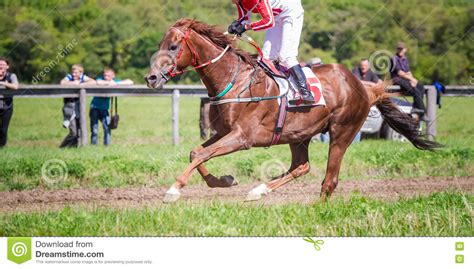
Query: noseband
{"type": "Point", "coordinates": [195, 57]}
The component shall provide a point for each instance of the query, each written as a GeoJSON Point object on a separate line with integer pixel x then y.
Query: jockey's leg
{"type": "Point", "coordinates": [291, 31]}
{"type": "Point", "coordinates": [272, 42]}
{"type": "Point", "coordinates": [297, 73]}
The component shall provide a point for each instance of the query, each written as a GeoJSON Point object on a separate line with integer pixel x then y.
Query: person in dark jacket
{"type": "Point", "coordinates": [9, 81]}
{"type": "Point", "coordinates": [365, 74]}
{"type": "Point", "coordinates": [402, 76]}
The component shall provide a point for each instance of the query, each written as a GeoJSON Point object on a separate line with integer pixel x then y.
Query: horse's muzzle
{"type": "Point", "coordinates": [154, 81]}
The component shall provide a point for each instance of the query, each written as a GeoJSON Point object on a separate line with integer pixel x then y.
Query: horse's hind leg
{"type": "Point", "coordinates": [211, 180]}
{"type": "Point", "coordinates": [299, 167]}
{"type": "Point", "coordinates": [341, 137]}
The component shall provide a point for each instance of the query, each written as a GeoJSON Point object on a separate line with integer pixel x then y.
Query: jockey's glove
{"type": "Point", "coordinates": [236, 28]}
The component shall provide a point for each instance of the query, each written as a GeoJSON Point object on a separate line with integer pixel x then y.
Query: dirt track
{"type": "Point", "coordinates": [294, 192]}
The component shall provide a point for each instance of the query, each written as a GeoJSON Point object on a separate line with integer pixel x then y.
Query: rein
{"type": "Point", "coordinates": [185, 39]}
{"type": "Point", "coordinates": [216, 100]}
{"type": "Point", "coordinates": [230, 85]}
{"type": "Point", "coordinates": [173, 72]}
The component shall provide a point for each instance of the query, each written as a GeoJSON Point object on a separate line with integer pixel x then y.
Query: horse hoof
{"type": "Point", "coordinates": [172, 195]}
{"type": "Point", "coordinates": [253, 197]}
{"type": "Point", "coordinates": [325, 197]}
{"type": "Point", "coordinates": [229, 181]}
{"type": "Point", "coordinates": [170, 198]}
{"type": "Point", "coordinates": [222, 182]}
{"type": "Point", "coordinates": [257, 193]}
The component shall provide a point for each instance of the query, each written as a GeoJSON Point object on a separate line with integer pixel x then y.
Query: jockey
{"type": "Point", "coordinates": [283, 20]}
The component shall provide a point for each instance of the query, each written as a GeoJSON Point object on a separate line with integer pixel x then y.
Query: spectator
{"type": "Point", "coordinates": [365, 75]}
{"type": "Point", "coordinates": [314, 62]}
{"type": "Point", "coordinates": [368, 78]}
{"type": "Point", "coordinates": [100, 106]}
{"type": "Point", "coordinates": [71, 106]}
{"type": "Point", "coordinates": [9, 81]}
{"type": "Point", "coordinates": [402, 76]}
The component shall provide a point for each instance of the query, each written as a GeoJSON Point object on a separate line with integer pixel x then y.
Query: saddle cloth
{"type": "Point", "coordinates": [289, 86]}
{"type": "Point", "coordinates": [289, 91]}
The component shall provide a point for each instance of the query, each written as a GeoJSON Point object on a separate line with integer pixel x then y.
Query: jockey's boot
{"type": "Point", "coordinates": [297, 73]}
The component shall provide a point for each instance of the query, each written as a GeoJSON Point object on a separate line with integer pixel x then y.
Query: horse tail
{"type": "Point", "coordinates": [398, 120]}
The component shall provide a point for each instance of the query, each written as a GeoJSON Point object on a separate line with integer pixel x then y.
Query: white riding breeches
{"type": "Point", "coordinates": [282, 41]}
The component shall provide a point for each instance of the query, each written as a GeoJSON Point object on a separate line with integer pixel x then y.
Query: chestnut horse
{"type": "Point", "coordinates": [243, 125]}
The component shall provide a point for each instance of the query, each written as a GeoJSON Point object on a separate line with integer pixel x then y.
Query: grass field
{"type": "Point", "coordinates": [441, 214]}
{"type": "Point", "coordinates": [141, 155]}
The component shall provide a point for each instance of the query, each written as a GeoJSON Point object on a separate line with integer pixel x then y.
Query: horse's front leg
{"type": "Point", "coordinates": [212, 181]}
{"type": "Point", "coordinates": [232, 142]}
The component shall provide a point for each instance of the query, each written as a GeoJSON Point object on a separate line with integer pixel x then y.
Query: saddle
{"type": "Point", "coordinates": [270, 69]}
{"type": "Point", "coordinates": [289, 91]}
{"type": "Point", "coordinates": [287, 85]}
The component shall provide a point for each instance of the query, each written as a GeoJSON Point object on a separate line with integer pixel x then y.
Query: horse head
{"type": "Point", "coordinates": [174, 54]}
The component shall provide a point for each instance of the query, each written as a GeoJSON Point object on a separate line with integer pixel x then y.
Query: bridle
{"type": "Point", "coordinates": [195, 57]}
{"type": "Point", "coordinates": [216, 100]}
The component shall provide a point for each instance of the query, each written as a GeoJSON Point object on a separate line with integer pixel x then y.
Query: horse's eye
{"type": "Point", "coordinates": [173, 47]}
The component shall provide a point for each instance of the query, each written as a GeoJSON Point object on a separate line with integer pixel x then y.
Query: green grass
{"type": "Point", "coordinates": [141, 153]}
{"type": "Point", "coordinates": [441, 214]}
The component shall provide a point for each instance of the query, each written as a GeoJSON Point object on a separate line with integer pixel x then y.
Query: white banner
{"type": "Point", "coordinates": [237, 252]}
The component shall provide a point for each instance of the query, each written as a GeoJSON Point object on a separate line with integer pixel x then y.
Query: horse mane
{"type": "Point", "coordinates": [216, 36]}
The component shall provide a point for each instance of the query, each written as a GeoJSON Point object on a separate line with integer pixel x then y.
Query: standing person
{"type": "Point", "coordinates": [9, 81]}
{"type": "Point", "coordinates": [99, 110]}
{"type": "Point", "coordinates": [402, 76]}
{"type": "Point", "coordinates": [365, 74]}
{"type": "Point", "coordinates": [283, 20]}
{"type": "Point", "coordinates": [71, 106]}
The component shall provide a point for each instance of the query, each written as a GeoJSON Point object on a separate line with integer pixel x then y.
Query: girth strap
{"type": "Point", "coordinates": [280, 121]}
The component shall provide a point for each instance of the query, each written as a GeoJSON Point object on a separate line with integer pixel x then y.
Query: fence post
{"type": "Point", "coordinates": [175, 116]}
{"type": "Point", "coordinates": [83, 119]}
{"type": "Point", "coordinates": [431, 112]}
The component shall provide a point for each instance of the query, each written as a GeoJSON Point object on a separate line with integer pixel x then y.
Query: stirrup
{"type": "Point", "coordinates": [309, 96]}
